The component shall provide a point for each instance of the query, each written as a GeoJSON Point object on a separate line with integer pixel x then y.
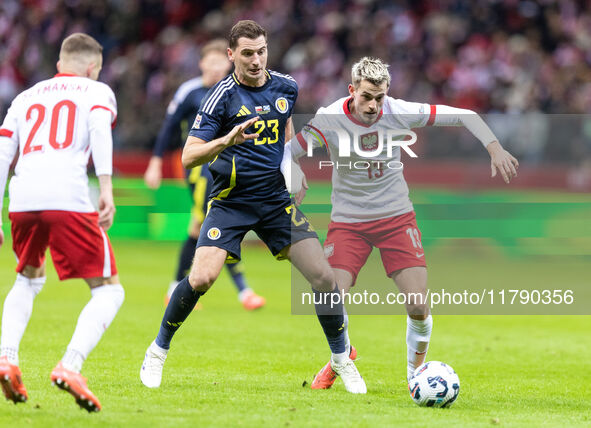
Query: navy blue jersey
{"type": "Point", "coordinates": [180, 115]}
{"type": "Point", "coordinates": [248, 171]}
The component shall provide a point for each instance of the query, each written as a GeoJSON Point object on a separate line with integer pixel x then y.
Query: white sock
{"type": "Point", "coordinates": [339, 358]}
{"type": "Point", "coordinates": [18, 307]}
{"type": "Point", "coordinates": [418, 333]}
{"type": "Point", "coordinates": [73, 360]}
{"type": "Point", "coordinates": [154, 346]}
{"type": "Point", "coordinates": [244, 293]}
{"type": "Point", "coordinates": [342, 357]}
{"type": "Point", "coordinates": [94, 319]}
{"type": "Point", "coordinates": [347, 340]}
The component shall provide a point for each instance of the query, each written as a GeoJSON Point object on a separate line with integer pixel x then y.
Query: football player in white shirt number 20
{"type": "Point", "coordinates": [55, 126]}
{"type": "Point", "coordinates": [370, 205]}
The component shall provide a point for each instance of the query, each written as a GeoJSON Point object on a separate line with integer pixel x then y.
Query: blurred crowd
{"type": "Point", "coordinates": [519, 57]}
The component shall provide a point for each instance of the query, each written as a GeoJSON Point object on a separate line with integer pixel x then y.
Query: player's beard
{"type": "Point", "coordinates": [369, 117]}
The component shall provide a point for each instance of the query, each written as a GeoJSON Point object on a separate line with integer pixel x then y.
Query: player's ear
{"type": "Point", "coordinates": [58, 65]}
{"type": "Point", "coordinates": [230, 55]}
{"type": "Point", "coordinates": [351, 89]}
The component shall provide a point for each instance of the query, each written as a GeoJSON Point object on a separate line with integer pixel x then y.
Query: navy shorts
{"type": "Point", "coordinates": [200, 182]}
{"type": "Point", "coordinates": [277, 224]}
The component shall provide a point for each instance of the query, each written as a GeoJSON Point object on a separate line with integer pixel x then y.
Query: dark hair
{"type": "Point", "coordinates": [80, 43]}
{"type": "Point", "coordinates": [246, 28]}
{"type": "Point", "coordinates": [216, 45]}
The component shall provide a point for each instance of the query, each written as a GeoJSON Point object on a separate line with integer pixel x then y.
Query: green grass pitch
{"type": "Point", "coordinates": [228, 367]}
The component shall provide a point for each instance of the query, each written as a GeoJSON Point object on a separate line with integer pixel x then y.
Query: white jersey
{"type": "Point", "coordinates": [369, 187]}
{"type": "Point", "coordinates": [56, 125]}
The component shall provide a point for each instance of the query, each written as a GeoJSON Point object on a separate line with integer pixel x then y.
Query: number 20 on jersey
{"type": "Point", "coordinates": [64, 107]}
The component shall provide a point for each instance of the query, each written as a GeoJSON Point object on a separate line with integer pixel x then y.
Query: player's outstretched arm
{"type": "Point", "coordinates": [500, 159]}
{"type": "Point", "coordinates": [198, 152]}
{"type": "Point", "coordinates": [106, 204]}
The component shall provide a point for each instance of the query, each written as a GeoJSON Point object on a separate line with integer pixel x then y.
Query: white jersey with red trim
{"type": "Point", "coordinates": [56, 125]}
{"type": "Point", "coordinates": [367, 183]}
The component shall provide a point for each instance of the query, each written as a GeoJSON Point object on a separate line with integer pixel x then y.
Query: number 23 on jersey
{"type": "Point", "coordinates": [272, 127]}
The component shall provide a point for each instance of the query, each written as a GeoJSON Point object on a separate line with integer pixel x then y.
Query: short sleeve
{"type": "Point", "coordinates": [287, 86]}
{"type": "Point", "coordinates": [209, 119]}
{"type": "Point", "coordinates": [294, 97]}
{"type": "Point", "coordinates": [206, 126]}
{"type": "Point", "coordinates": [104, 99]}
{"type": "Point", "coordinates": [412, 115]}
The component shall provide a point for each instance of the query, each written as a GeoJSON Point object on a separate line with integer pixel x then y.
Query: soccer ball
{"type": "Point", "coordinates": [434, 384]}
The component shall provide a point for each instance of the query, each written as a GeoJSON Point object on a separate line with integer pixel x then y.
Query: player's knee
{"type": "Point", "coordinates": [114, 293]}
{"type": "Point", "coordinates": [33, 272]}
{"type": "Point", "coordinates": [35, 285]}
{"type": "Point", "coordinates": [416, 308]}
{"type": "Point", "coordinates": [202, 280]}
{"type": "Point", "coordinates": [323, 280]}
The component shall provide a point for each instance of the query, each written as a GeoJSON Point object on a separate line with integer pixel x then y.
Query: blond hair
{"type": "Point", "coordinates": [374, 70]}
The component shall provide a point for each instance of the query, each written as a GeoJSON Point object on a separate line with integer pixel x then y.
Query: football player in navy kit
{"type": "Point", "coordinates": [180, 115]}
{"type": "Point", "coordinates": [240, 131]}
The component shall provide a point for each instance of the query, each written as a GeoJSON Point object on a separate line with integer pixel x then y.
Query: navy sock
{"type": "Point", "coordinates": [332, 318]}
{"type": "Point", "coordinates": [182, 302]}
{"type": "Point", "coordinates": [236, 270]}
{"type": "Point", "coordinates": [186, 258]}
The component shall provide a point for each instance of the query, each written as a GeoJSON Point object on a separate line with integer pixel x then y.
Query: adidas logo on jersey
{"type": "Point", "coordinates": [243, 111]}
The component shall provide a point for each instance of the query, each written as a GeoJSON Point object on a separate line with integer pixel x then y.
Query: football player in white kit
{"type": "Point", "coordinates": [370, 203]}
{"type": "Point", "coordinates": [55, 126]}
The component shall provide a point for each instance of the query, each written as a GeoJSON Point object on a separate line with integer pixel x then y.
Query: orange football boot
{"type": "Point", "coordinates": [75, 384]}
{"type": "Point", "coordinates": [12, 382]}
{"type": "Point", "coordinates": [326, 377]}
{"type": "Point", "coordinates": [252, 301]}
